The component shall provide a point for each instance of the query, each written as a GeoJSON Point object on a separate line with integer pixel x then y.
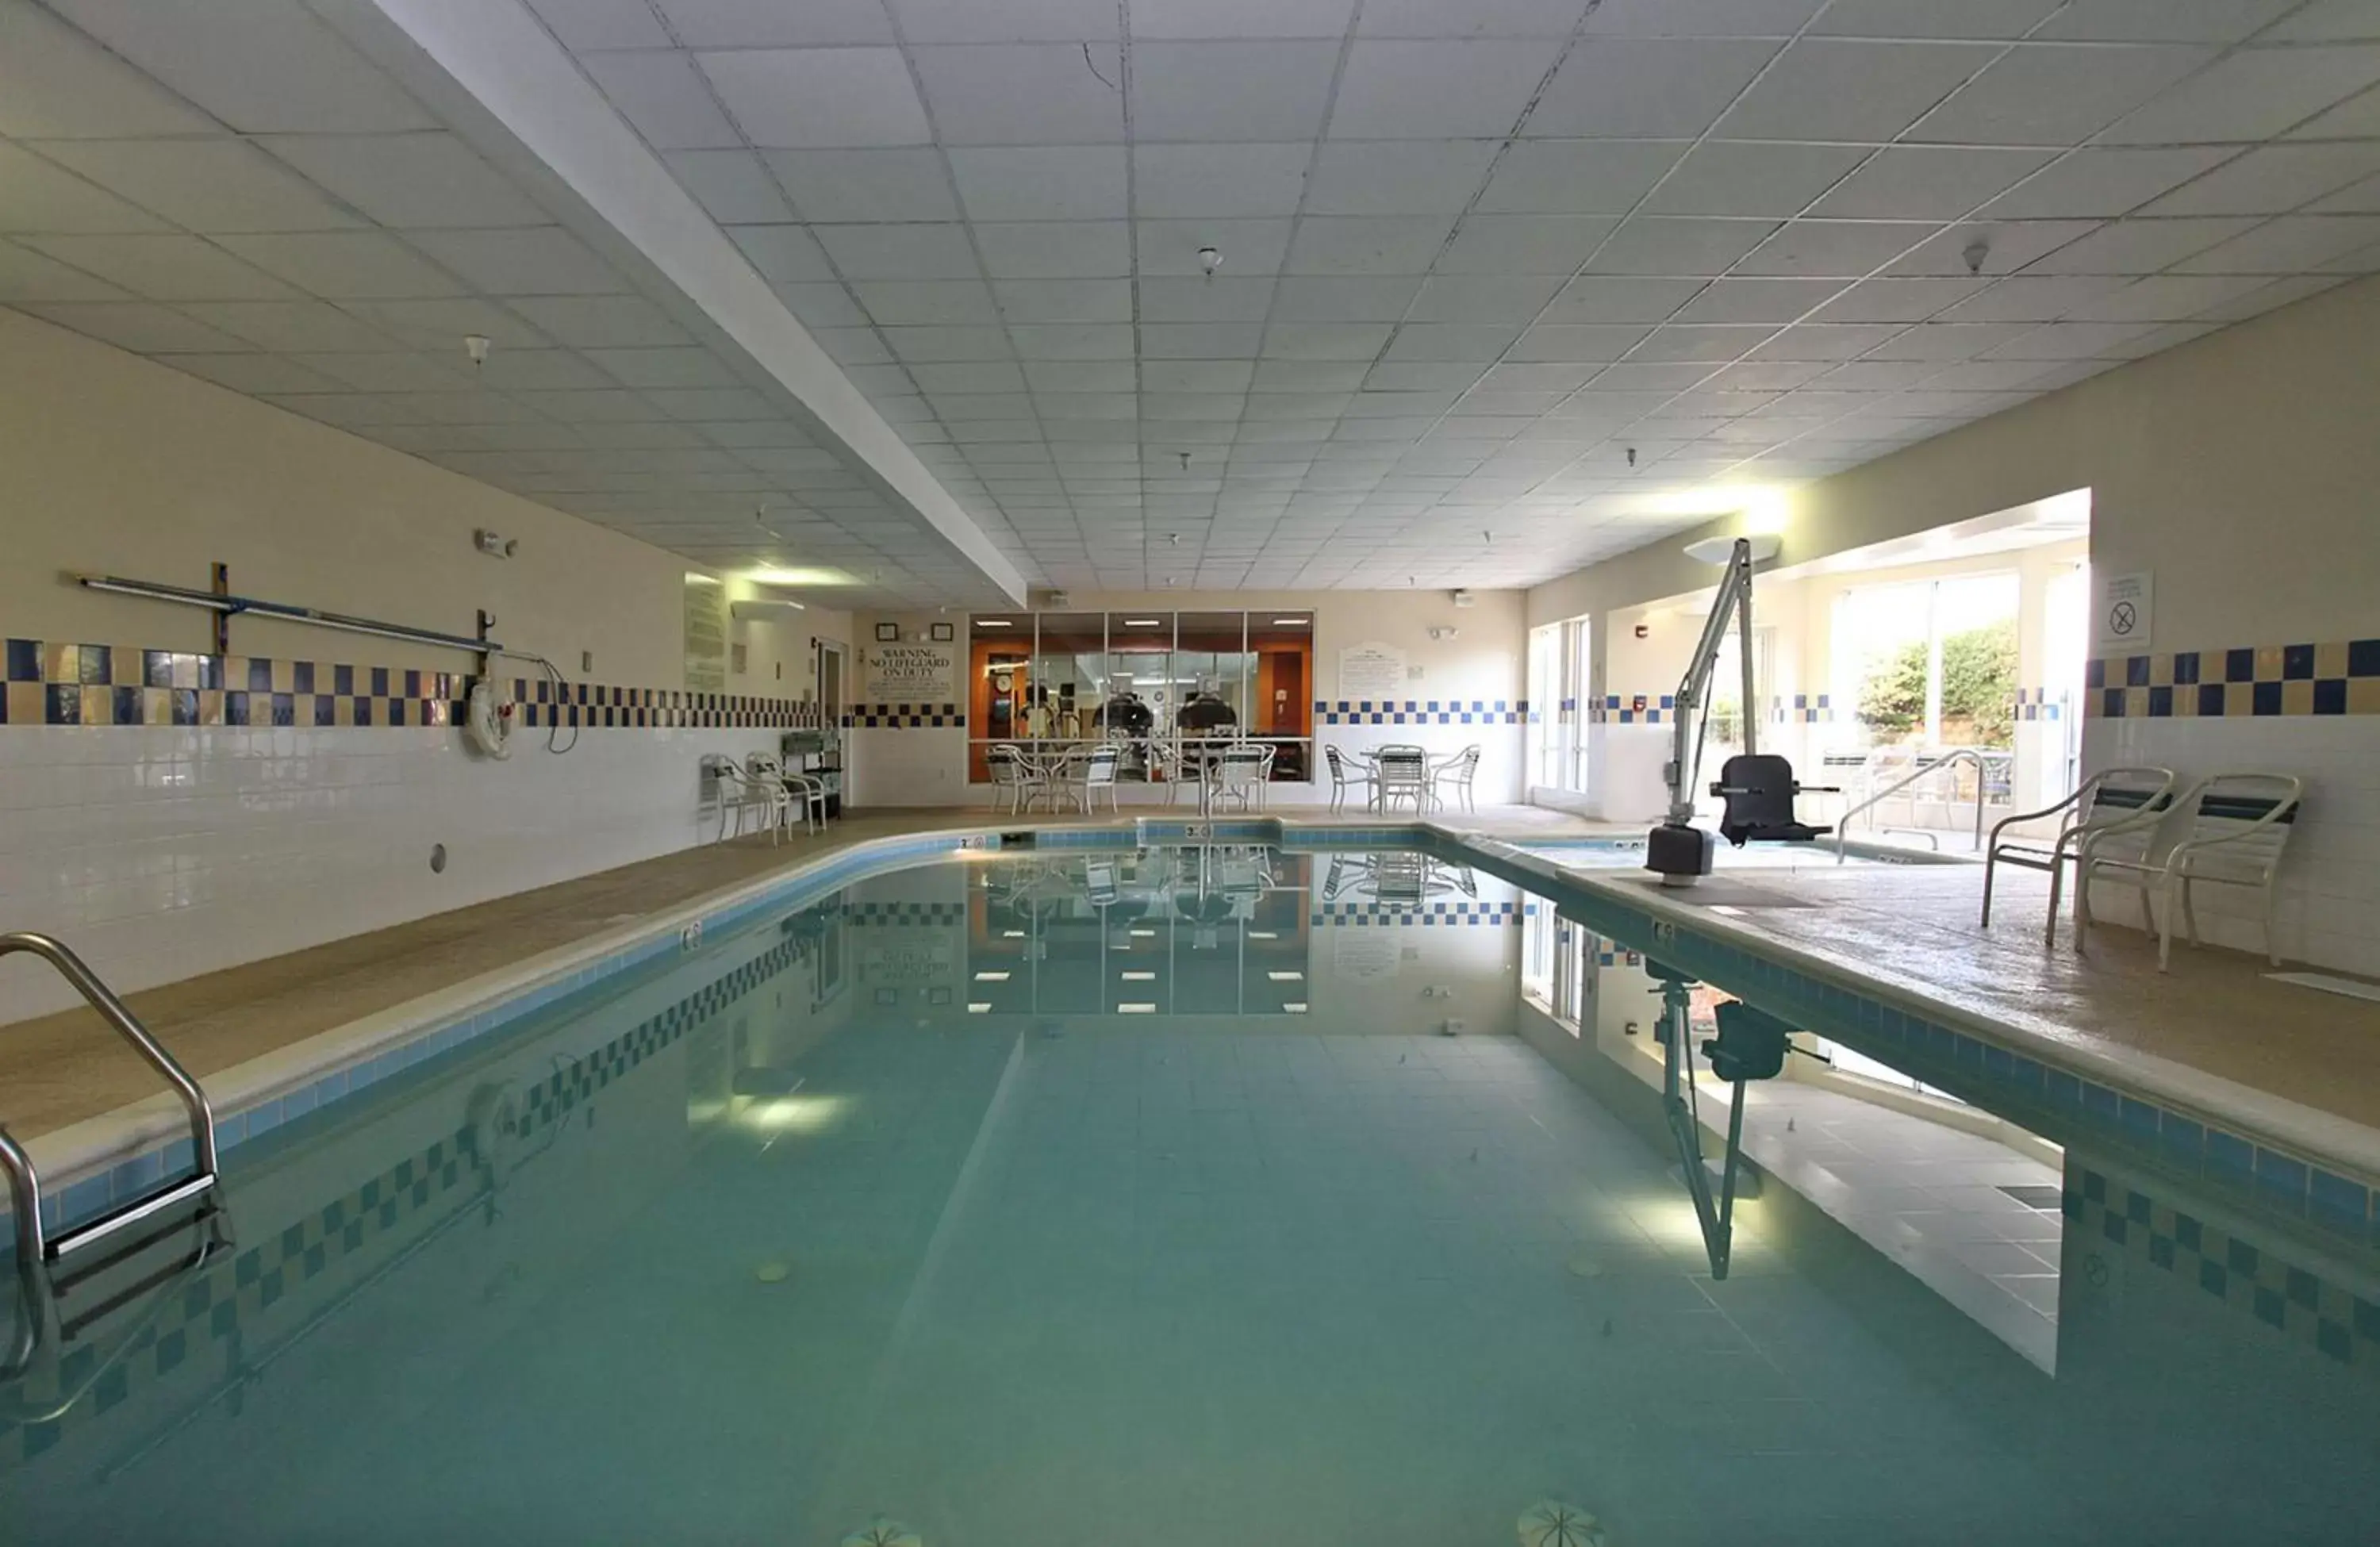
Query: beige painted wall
{"type": "Point", "coordinates": [111, 463]}
{"type": "Point", "coordinates": [2242, 468]}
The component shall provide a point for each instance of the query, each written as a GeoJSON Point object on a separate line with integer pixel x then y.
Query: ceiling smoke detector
{"type": "Point", "coordinates": [1976, 251]}
{"type": "Point", "coordinates": [1210, 261]}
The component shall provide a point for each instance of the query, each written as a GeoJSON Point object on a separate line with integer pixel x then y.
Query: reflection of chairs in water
{"type": "Point", "coordinates": [1401, 877]}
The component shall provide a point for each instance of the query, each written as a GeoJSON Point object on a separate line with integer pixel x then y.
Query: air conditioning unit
{"type": "Point", "coordinates": [1464, 597]}
{"type": "Point", "coordinates": [1051, 600]}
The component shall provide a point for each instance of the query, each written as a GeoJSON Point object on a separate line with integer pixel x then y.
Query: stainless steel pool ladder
{"type": "Point", "coordinates": [35, 1249]}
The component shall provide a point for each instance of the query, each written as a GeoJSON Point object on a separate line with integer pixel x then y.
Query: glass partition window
{"type": "Point", "coordinates": [1151, 681]}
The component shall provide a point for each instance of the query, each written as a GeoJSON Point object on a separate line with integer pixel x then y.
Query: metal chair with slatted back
{"type": "Point", "coordinates": [2234, 827]}
{"type": "Point", "coordinates": [2112, 801]}
{"type": "Point", "coordinates": [1401, 773]}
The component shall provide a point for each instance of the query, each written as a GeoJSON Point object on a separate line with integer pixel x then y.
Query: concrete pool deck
{"type": "Point", "coordinates": [2215, 1012]}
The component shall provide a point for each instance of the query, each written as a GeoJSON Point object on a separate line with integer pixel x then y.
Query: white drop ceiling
{"type": "Point", "coordinates": [1472, 253]}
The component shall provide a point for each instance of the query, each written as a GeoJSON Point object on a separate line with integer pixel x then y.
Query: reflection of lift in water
{"type": "Point", "coordinates": [1751, 1044]}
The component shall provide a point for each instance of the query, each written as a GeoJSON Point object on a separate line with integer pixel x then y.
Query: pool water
{"type": "Point", "coordinates": [1146, 1198]}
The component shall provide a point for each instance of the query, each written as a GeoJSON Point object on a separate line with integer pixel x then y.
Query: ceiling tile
{"type": "Point", "coordinates": [732, 187]}
{"type": "Point", "coordinates": [26, 275]}
{"type": "Point", "coordinates": [2272, 180]}
{"type": "Point", "coordinates": [139, 326]}
{"type": "Point", "coordinates": [2138, 246]}
{"type": "Point", "coordinates": [1199, 340]}
{"type": "Point", "coordinates": [1581, 342]}
{"type": "Point", "coordinates": [1831, 89]}
{"type": "Point", "coordinates": [1523, 244]}
{"type": "Point", "coordinates": [2096, 181]}
{"type": "Point", "coordinates": [2292, 244]}
{"type": "Point", "coordinates": [881, 185]}
{"type": "Point", "coordinates": [261, 66]}
{"type": "Point", "coordinates": [381, 371]}
{"type": "Point", "coordinates": [1437, 91]}
{"type": "Point", "coordinates": [1738, 177]}
{"type": "Point", "coordinates": [442, 324]}
{"type": "Point", "coordinates": [2056, 341]}
{"type": "Point", "coordinates": [584, 24]}
{"type": "Point", "coordinates": [205, 185]}
{"type": "Point", "coordinates": [1926, 182]}
{"type": "Point", "coordinates": [1395, 177]}
{"type": "Point", "coordinates": [1665, 245]}
{"type": "Point", "coordinates": [909, 252]}
{"type": "Point", "coordinates": [1647, 89]}
{"type": "Point", "coordinates": [2007, 246]}
{"type": "Point", "coordinates": [416, 181]}
{"type": "Point", "coordinates": [1064, 300]}
{"type": "Point", "coordinates": [1172, 247]}
{"type": "Point", "coordinates": [1577, 176]}
{"type": "Point", "coordinates": [1702, 19]}
{"type": "Point", "coordinates": [662, 95]}
{"type": "Point", "coordinates": [1344, 299]}
{"type": "Point", "coordinates": [1073, 341]}
{"type": "Point", "coordinates": [37, 196]}
{"type": "Point", "coordinates": [2054, 93]}
{"type": "Point", "coordinates": [1052, 182]}
{"type": "Point", "coordinates": [602, 322]}
{"type": "Point", "coordinates": [253, 373]}
{"type": "Point", "coordinates": [1024, 94]}
{"type": "Point", "coordinates": [1932, 18]}
{"type": "Point", "coordinates": [821, 305]}
{"type": "Point", "coordinates": [1849, 249]}
{"type": "Point", "coordinates": [1673, 344]}
{"type": "Point", "coordinates": [2215, 21]}
{"type": "Point", "coordinates": [1758, 300]}
{"type": "Point", "coordinates": [772, 23]}
{"type": "Point", "coordinates": [1231, 90]}
{"type": "Point", "coordinates": [663, 368]}
{"type": "Point", "coordinates": [1240, 19]}
{"type": "Point", "coordinates": [58, 84]}
{"type": "Point", "coordinates": [528, 260]}
{"type": "Point", "coordinates": [2163, 298]}
{"type": "Point", "coordinates": [1055, 249]}
{"type": "Point", "coordinates": [1946, 340]}
{"type": "Point", "coordinates": [543, 370]}
{"type": "Point", "coordinates": [293, 326]}
{"type": "Point", "coordinates": [926, 344]}
{"type": "Point", "coordinates": [934, 21]}
{"type": "Point", "coordinates": [169, 267]}
{"type": "Point", "coordinates": [1484, 297]}
{"type": "Point", "coordinates": [1347, 244]}
{"type": "Point", "coordinates": [1326, 341]}
{"type": "Point", "coordinates": [1179, 180]}
{"type": "Point", "coordinates": [1825, 341]}
{"type": "Point", "coordinates": [2251, 94]}
{"type": "Point", "coordinates": [2362, 199]}
{"type": "Point", "coordinates": [1620, 298]}
{"type": "Point", "coordinates": [804, 97]}
{"type": "Point", "coordinates": [1469, 18]}
{"type": "Point", "coordinates": [1897, 300]}
{"type": "Point", "coordinates": [2026, 298]}
{"type": "Point", "coordinates": [1200, 301]}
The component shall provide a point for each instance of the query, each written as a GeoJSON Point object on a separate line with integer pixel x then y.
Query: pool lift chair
{"type": "Point", "coordinates": [1758, 789]}
{"type": "Point", "coordinates": [1751, 1046]}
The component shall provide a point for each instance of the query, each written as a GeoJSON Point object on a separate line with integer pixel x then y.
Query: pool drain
{"type": "Point", "coordinates": [881, 1532]}
{"type": "Point", "coordinates": [1548, 1523]}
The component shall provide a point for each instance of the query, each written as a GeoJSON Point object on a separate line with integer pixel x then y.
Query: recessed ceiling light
{"type": "Point", "coordinates": [1140, 977]}
{"type": "Point", "coordinates": [991, 977]}
{"type": "Point", "coordinates": [994, 623]}
{"type": "Point", "coordinates": [1262, 934]}
{"type": "Point", "coordinates": [1142, 622]}
{"type": "Point", "coordinates": [978, 1007]}
{"type": "Point", "coordinates": [1276, 977]}
{"type": "Point", "coordinates": [1293, 1007]}
{"type": "Point", "coordinates": [1137, 1007]}
{"type": "Point", "coordinates": [1289, 622]}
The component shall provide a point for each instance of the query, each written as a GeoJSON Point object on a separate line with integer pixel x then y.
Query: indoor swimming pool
{"type": "Point", "coordinates": [1222, 1193]}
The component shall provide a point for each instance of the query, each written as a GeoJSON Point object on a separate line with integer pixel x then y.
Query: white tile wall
{"type": "Point", "coordinates": [159, 852]}
{"type": "Point", "coordinates": [2329, 908]}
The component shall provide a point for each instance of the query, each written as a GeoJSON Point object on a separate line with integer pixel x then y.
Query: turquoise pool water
{"type": "Point", "coordinates": [1145, 1197]}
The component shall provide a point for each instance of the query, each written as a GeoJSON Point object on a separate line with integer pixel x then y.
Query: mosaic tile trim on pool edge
{"type": "Point", "coordinates": [2061, 1105]}
{"type": "Point", "coordinates": [2295, 1303]}
{"type": "Point", "coordinates": [264, 1274]}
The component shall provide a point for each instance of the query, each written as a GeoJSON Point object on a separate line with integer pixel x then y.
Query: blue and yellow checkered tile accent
{"type": "Point", "coordinates": [902, 716]}
{"type": "Point", "coordinates": [2296, 1303]}
{"type": "Point", "coordinates": [2040, 703]}
{"type": "Point", "coordinates": [1420, 712]}
{"type": "Point", "coordinates": [1449, 913]}
{"type": "Point", "coordinates": [366, 1222]}
{"type": "Point", "coordinates": [2336, 678]}
{"type": "Point", "coordinates": [1635, 709]}
{"type": "Point", "coordinates": [52, 684]}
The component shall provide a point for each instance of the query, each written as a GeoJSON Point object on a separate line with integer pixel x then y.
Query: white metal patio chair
{"type": "Point", "coordinates": [1401, 773]}
{"type": "Point", "coordinates": [1450, 779]}
{"type": "Point", "coordinates": [2110, 801]}
{"type": "Point", "coordinates": [2235, 827]}
{"type": "Point", "coordinates": [1092, 773]}
{"type": "Point", "coordinates": [743, 792]}
{"type": "Point", "coordinates": [1239, 774]}
{"type": "Point", "coordinates": [804, 793]}
{"type": "Point", "coordinates": [1341, 781]}
{"type": "Point", "coordinates": [1015, 778]}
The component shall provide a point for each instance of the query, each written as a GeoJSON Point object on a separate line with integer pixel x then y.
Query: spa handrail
{"type": "Point", "coordinates": [32, 1248]}
{"type": "Point", "coordinates": [1950, 759]}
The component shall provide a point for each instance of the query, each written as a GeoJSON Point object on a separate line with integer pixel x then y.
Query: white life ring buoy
{"type": "Point", "coordinates": [488, 721]}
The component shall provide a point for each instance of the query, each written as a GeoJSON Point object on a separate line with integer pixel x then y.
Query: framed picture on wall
{"type": "Point", "coordinates": [943, 633]}
{"type": "Point", "coordinates": [887, 633]}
